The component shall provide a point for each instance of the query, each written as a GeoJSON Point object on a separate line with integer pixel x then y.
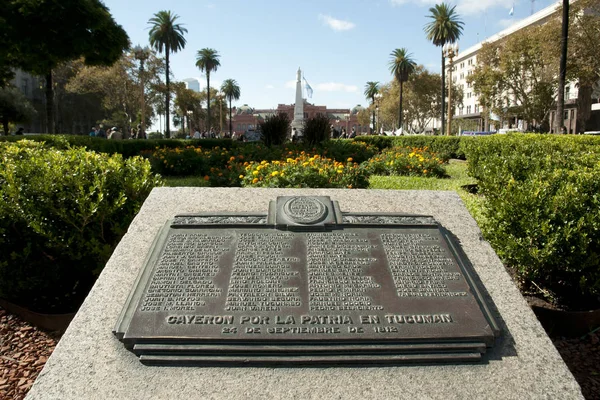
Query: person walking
{"type": "Point", "coordinates": [115, 134]}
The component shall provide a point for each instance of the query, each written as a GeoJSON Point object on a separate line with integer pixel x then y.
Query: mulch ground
{"type": "Point", "coordinates": [24, 350]}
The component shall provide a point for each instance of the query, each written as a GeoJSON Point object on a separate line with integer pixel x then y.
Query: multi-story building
{"type": "Point", "coordinates": [465, 62]}
{"type": "Point", "coordinates": [192, 84]}
{"type": "Point", "coordinates": [247, 118]}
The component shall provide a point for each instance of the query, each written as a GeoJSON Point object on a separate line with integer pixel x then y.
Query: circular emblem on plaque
{"type": "Point", "coordinates": [305, 210]}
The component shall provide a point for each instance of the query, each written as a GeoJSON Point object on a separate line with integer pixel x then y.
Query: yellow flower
{"type": "Point", "coordinates": [255, 172]}
{"type": "Point", "coordinates": [350, 159]}
{"type": "Point", "coordinates": [339, 171]}
{"type": "Point", "coordinates": [274, 173]}
{"type": "Point", "coordinates": [424, 171]}
{"type": "Point", "coordinates": [254, 180]}
{"type": "Point", "coordinates": [281, 174]}
{"type": "Point", "coordinates": [263, 162]}
{"type": "Point", "coordinates": [304, 164]}
{"type": "Point", "coordinates": [241, 176]}
{"type": "Point", "coordinates": [311, 159]}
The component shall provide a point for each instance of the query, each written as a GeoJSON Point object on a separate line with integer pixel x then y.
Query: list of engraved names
{"type": "Point", "coordinates": [183, 278]}
{"type": "Point", "coordinates": [419, 265]}
{"type": "Point", "coordinates": [260, 273]}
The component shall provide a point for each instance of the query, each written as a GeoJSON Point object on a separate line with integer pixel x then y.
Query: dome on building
{"type": "Point", "coordinates": [245, 109]}
{"type": "Point", "coordinates": [357, 109]}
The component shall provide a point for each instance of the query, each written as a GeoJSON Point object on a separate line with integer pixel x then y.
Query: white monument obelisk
{"type": "Point", "coordinates": [298, 121]}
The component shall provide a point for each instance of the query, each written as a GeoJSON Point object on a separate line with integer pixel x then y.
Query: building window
{"type": "Point", "coordinates": [462, 76]}
{"type": "Point", "coordinates": [572, 114]}
{"type": "Point", "coordinates": [469, 73]}
{"type": "Point", "coordinates": [566, 116]}
{"type": "Point", "coordinates": [468, 109]}
{"type": "Point", "coordinates": [454, 79]}
{"type": "Point", "coordinates": [567, 93]}
{"type": "Point", "coordinates": [469, 95]}
{"type": "Point", "coordinates": [239, 127]}
{"type": "Point", "coordinates": [462, 64]}
{"type": "Point", "coordinates": [476, 108]}
{"type": "Point", "coordinates": [468, 84]}
{"type": "Point", "coordinates": [470, 62]}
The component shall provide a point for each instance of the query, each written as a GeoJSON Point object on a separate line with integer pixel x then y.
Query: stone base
{"type": "Point", "coordinates": [89, 362]}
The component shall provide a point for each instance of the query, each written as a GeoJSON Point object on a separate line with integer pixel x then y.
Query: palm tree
{"type": "Point", "coordinates": [207, 60]}
{"type": "Point", "coordinates": [231, 89]}
{"type": "Point", "coordinates": [166, 34]}
{"type": "Point", "coordinates": [371, 89]}
{"type": "Point", "coordinates": [446, 27]}
{"type": "Point", "coordinates": [401, 66]}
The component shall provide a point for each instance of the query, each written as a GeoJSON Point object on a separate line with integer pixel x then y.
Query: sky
{"type": "Point", "coordinates": [339, 44]}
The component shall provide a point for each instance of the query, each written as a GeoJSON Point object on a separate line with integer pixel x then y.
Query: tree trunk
{"type": "Point", "coordinates": [5, 125]}
{"type": "Point", "coordinates": [584, 106]}
{"type": "Point", "coordinates": [443, 91]}
{"type": "Point", "coordinates": [400, 107]}
{"type": "Point", "coordinates": [558, 120]}
{"type": "Point", "coordinates": [208, 99]}
{"type": "Point", "coordinates": [168, 95]}
{"type": "Point", "coordinates": [373, 103]}
{"type": "Point", "coordinates": [230, 122]}
{"type": "Point", "coordinates": [50, 128]}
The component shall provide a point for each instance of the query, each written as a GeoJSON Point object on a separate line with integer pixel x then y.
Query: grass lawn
{"type": "Point", "coordinates": [458, 177]}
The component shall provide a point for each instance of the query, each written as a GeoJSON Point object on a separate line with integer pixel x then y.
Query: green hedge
{"type": "Point", "coordinates": [62, 212]}
{"type": "Point", "coordinates": [128, 148]}
{"type": "Point", "coordinates": [445, 147]}
{"type": "Point", "coordinates": [542, 211]}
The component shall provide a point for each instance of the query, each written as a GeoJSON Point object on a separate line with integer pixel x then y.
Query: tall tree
{"type": "Point", "coordinates": [207, 60]}
{"type": "Point", "coordinates": [79, 28]}
{"type": "Point", "coordinates": [401, 66]}
{"type": "Point", "coordinates": [14, 107]}
{"type": "Point", "coordinates": [560, 106]}
{"type": "Point", "coordinates": [371, 89]}
{"type": "Point", "coordinates": [516, 77]}
{"type": "Point", "coordinates": [445, 27]}
{"type": "Point", "coordinates": [231, 89]}
{"type": "Point", "coordinates": [167, 35]}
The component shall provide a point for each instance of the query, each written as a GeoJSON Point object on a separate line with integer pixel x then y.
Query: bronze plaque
{"type": "Point", "coordinates": [305, 284]}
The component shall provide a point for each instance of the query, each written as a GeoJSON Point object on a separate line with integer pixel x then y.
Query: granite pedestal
{"type": "Point", "coordinates": [90, 363]}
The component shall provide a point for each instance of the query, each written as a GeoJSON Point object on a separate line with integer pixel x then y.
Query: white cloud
{"type": "Point", "coordinates": [270, 87]}
{"type": "Point", "coordinates": [336, 24]}
{"type": "Point", "coordinates": [210, 6]}
{"type": "Point", "coordinates": [290, 84]}
{"type": "Point", "coordinates": [336, 87]}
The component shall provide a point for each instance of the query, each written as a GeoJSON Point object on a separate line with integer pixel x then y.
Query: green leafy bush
{"type": "Point", "coordinates": [445, 147]}
{"type": "Point", "coordinates": [341, 150]}
{"type": "Point", "coordinates": [62, 212]}
{"type": "Point", "coordinates": [542, 207]}
{"type": "Point", "coordinates": [408, 161]}
{"type": "Point", "coordinates": [317, 130]}
{"type": "Point", "coordinates": [305, 171]}
{"type": "Point", "coordinates": [275, 129]}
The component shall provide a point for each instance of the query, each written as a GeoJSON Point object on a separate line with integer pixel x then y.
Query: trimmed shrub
{"type": "Point", "coordinates": [128, 148]}
{"type": "Point", "coordinates": [317, 130]}
{"type": "Point", "coordinates": [408, 161]}
{"type": "Point", "coordinates": [343, 149]}
{"type": "Point", "coordinates": [62, 212]}
{"type": "Point", "coordinates": [445, 147]}
{"type": "Point", "coordinates": [542, 211]}
{"type": "Point", "coordinates": [305, 171]}
{"type": "Point", "coordinates": [275, 129]}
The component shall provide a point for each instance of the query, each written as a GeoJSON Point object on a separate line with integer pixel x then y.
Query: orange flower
{"type": "Point", "coordinates": [206, 177]}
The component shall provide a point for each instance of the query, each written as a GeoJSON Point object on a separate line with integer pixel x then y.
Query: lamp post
{"type": "Point", "coordinates": [378, 97]}
{"type": "Point", "coordinates": [142, 54]}
{"type": "Point", "coordinates": [450, 51]}
{"type": "Point", "coordinates": [347, 120]}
